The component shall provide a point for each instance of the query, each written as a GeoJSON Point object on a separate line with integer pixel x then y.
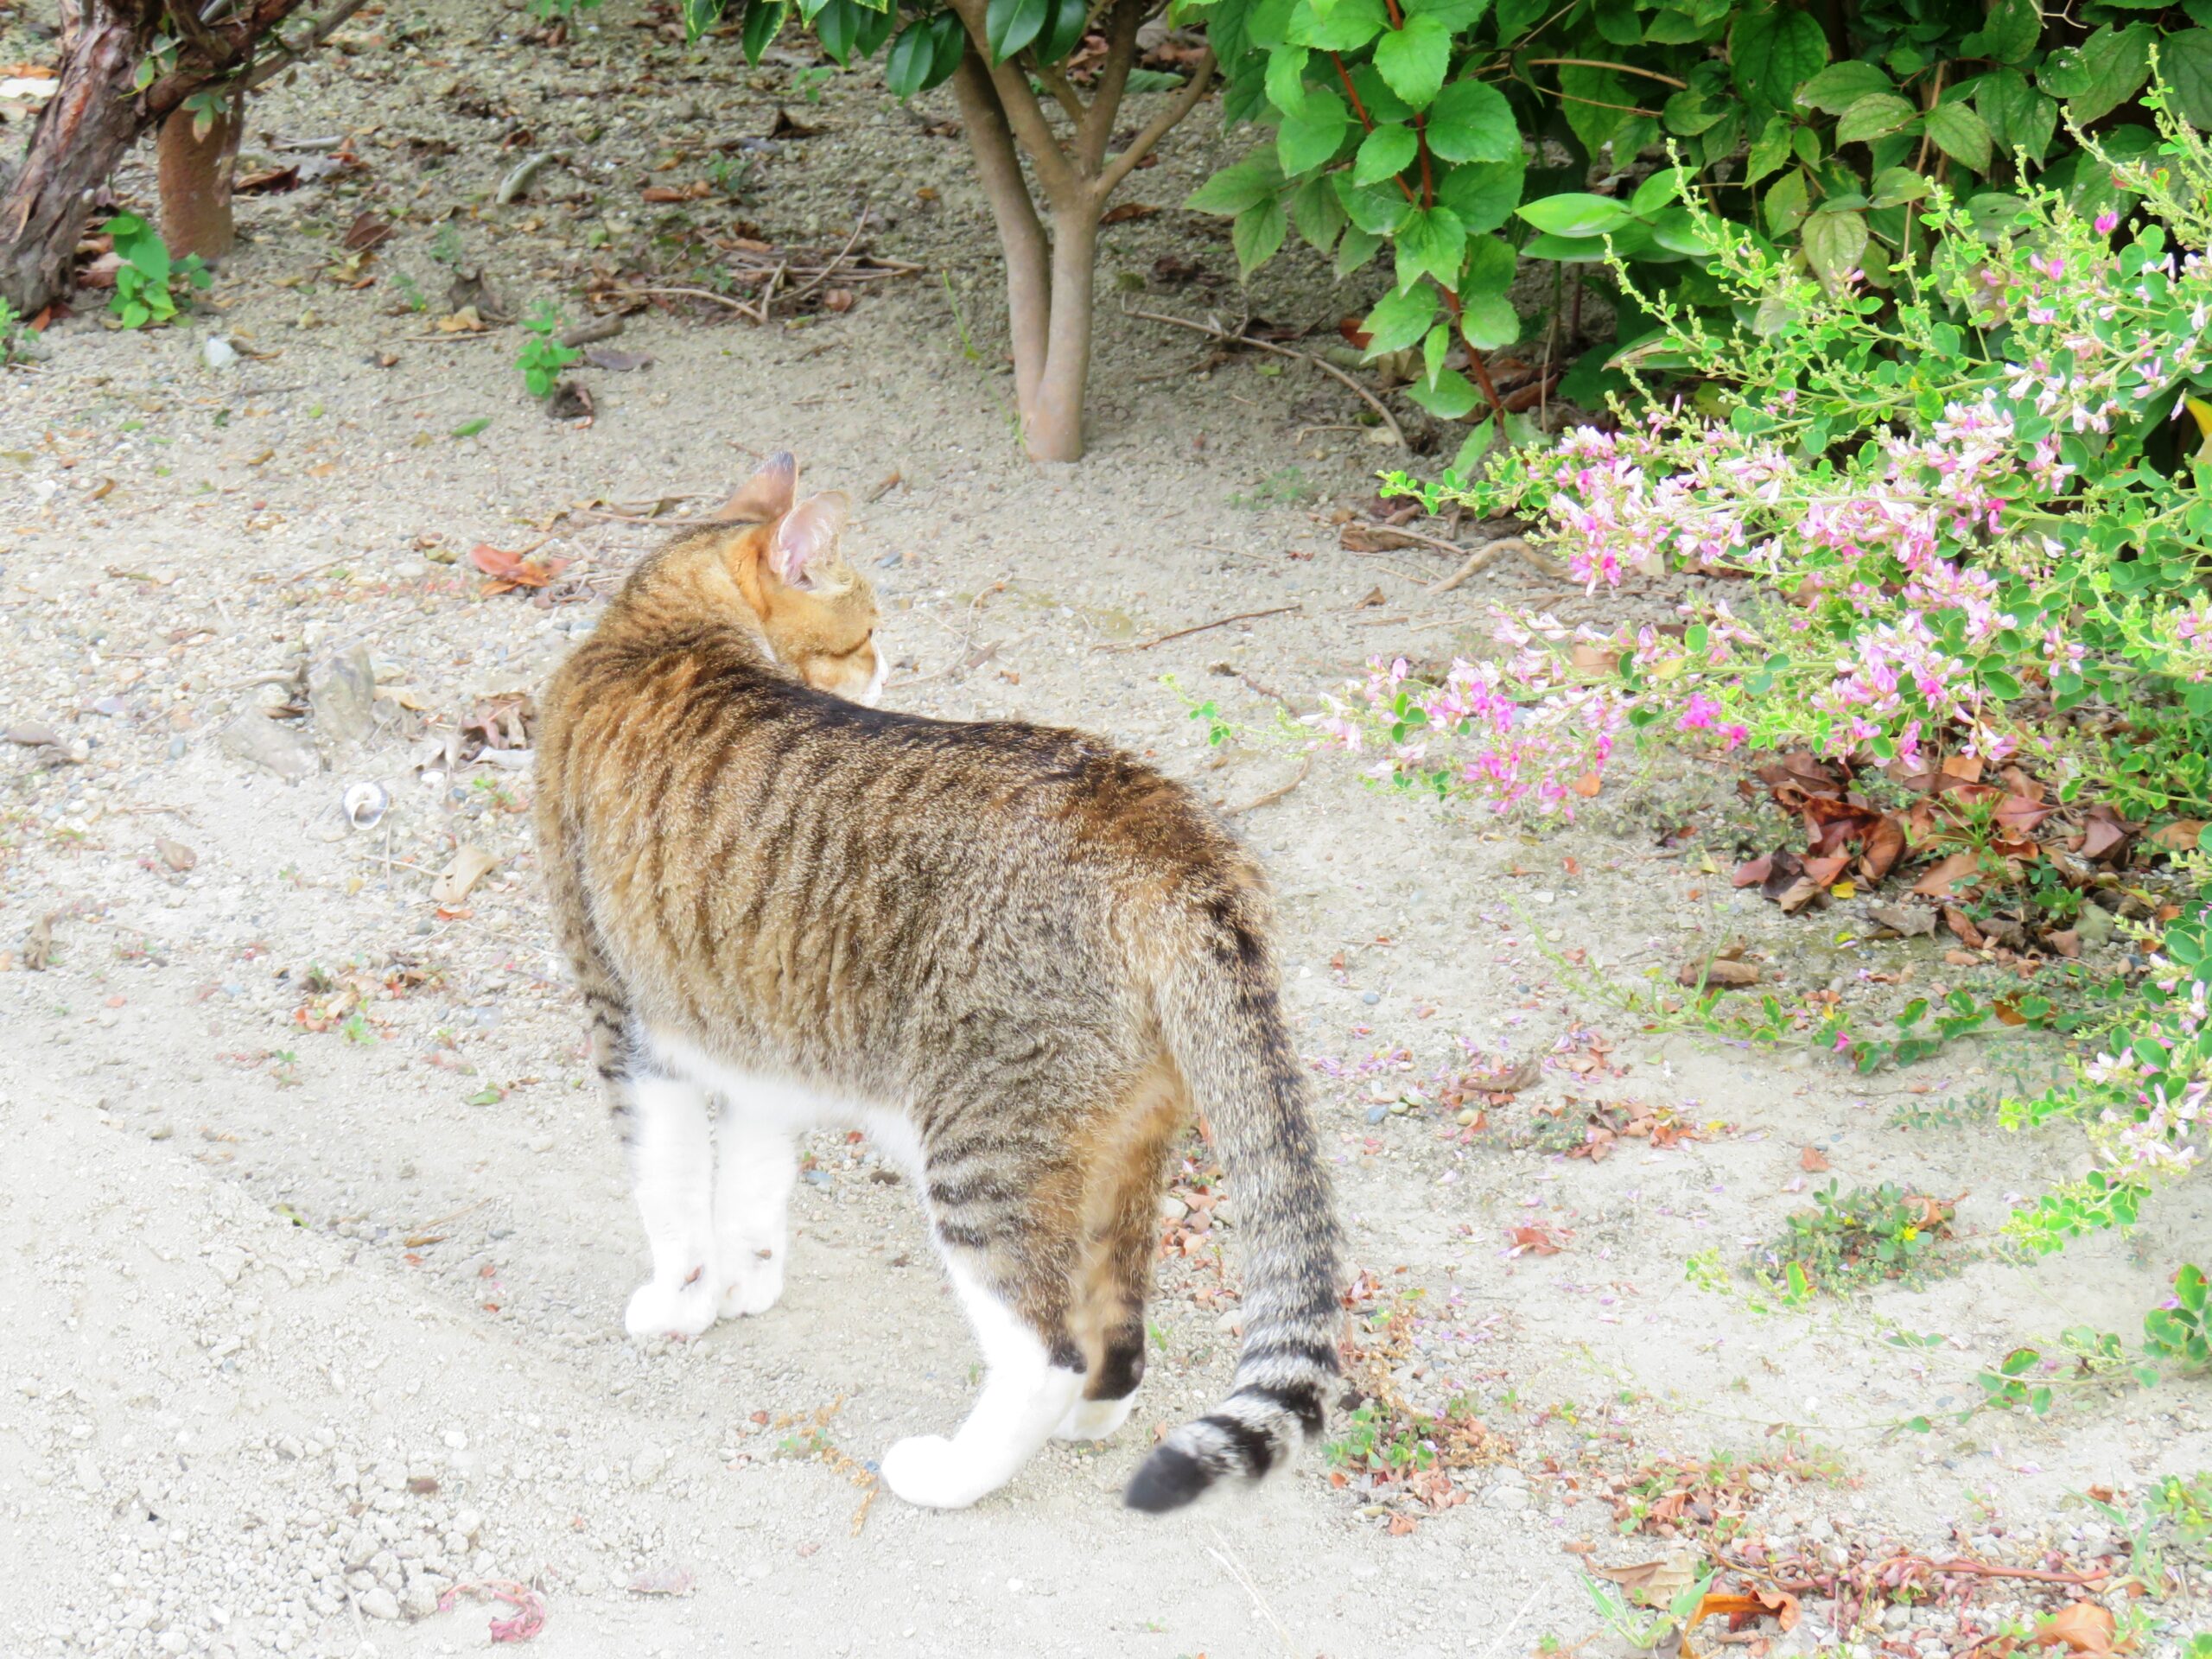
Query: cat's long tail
{"type": "Point", "coordinates": [1219, 1004]}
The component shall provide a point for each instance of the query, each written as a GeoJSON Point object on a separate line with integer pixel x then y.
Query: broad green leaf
{"type": "Point", "coordinates": [1376, 98]}
{"type": "Point", "coordinates": [1482, 194]}
{"type": "Point", "coordinates": [1235, 188]}
{"type": "Point", "coordinates": [1267, 24]}
{"type": "Point", "coordinates": [1490, 267]}
{"type": "Point", "coordinates": [1431, 241]}
{"type": "Point", "coordinates": [1384, 153]}
{"type": "Point", "coordinates": [2009, 34]}
{"type": "Point", "coordinates": [1357, 248]}
{"type": "Point", "coordinates": [1774, 51]}
{"type": "Point", "coordinates": [1689, 114]}
{"type": "Point", "coordinates": [1062, 31]}
{"type": "Point", "coordinates": [1476, 446]}
{"type": "Point", "coordinates": [1960, 134]}
{"type": "Point", "coordinates": [1256, 233]}
{"type": "Point", "coordinates": [1893, 186]}
{"type": "Point", "coordinates": [1434, 347]}
{"type": "Point", "coordinates": [1345, 27]}
{"type": "Point", "coordinates": [1656, 191]}
{"type": "Point", "coordinates": [1412, 60]}
{"type": "Point", "coordinates": [2101, 74]}
{"type": "Point", "coordinates": [951, 37]}
{"type": "Point", "coordinates": [1312, 135]}
{"type": "Point", "coordinates": [1839, 85]}
{"type": "Point", "coordinates": [764, 21]}
{"type": "Point", "coordinates": [1676, 231]}
{"type": "Point", "coordinates": [2185, 61]}
{"type": "Point", "coordinates": [1489, 321]}
{"type": "Point", "coordinates": [1770, 150]}
{"type": "Point", "coordinates": [1458, 16]}
{"type": "Point", "coordinates": [1450, 397]}
{"type": "Point", "coordinates": [1617, 22]}
{"type": "Point", "coordinates": [1317, 214]}
{"type": "Point", "coordinates": [2020, 118]}
{"type": "Point", "coordinates": [1575, 213]}
{"type": "Point", "coordinates": [1566, 249]}
{"type": "Point", "coordinates": [913, 56]}
{"type": "Point", "coordinates": [1376, 209]}
{"type": "Point", "coordinates": [1596, 104]}
{"type": "Point", "coordinates": [470, 428]}
{"type": "Point", "coordinates": [1287, 79]}
{"type": "Point", "coordinates": [1875, 115]}
{"type": "Point", "coordinates": [1399, 318]}
{"type": "Point", "coordinates": [1009, 25]}
{"type": "Point", "coordinates": [1470, 121]}
{"type": "Point", "coordinates": [1832, 241]}
{"type": "Point", "coordinates": [1786, 203]}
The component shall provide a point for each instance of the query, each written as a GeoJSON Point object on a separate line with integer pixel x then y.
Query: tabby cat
{"type": "Point", "coordinates": [1016, 957]}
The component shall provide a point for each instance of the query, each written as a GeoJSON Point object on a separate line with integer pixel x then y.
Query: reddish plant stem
{"type": "Point", "coordinates": [1366, 120]}
{"type": "Point", "coordinates": [1474, 357]}
{"type": "Point", "coordinates": [1427, 178]}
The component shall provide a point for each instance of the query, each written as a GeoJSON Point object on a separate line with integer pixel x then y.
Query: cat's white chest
{"type": "Point", "coordinates": [784, 1105]}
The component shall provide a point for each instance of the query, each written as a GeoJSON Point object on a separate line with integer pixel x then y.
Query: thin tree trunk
{"type": "Point", "coordinates": [1053, 421]}
{"type": "Point", "coordinates": [195, 183]}
{"type": "Point", "coordinates": [1028, 267]}
{"type": "Point", "coordinates": [85, 128]}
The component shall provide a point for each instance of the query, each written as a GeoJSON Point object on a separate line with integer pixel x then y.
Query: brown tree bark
{"type": "Point", "coordinates": [84, 131]}
{"type": "Point", "coordinates": [195, 181]}
{"type": "Point", "coordinates": [1050, 280]}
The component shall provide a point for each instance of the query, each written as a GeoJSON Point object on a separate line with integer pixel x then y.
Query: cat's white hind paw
{"type": "Point", "coordinates": [1095, 1420]}
{"type": "Point", "coordinates": [659, 1309]}
{"type": "Point", "coordinates": [930, 1471]}
{"type": "Point", "coordinates": [754, 1287]}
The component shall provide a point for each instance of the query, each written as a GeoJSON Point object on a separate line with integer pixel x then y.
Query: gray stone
{"type": "Point", "coordinates": [380, 1603]}
{"type": "Point", "coordinates": [260, 741]}
{"type": "Point", "coordinates": [1507, 1497]}
{"type": "Point", "coordinates": [342, 691]}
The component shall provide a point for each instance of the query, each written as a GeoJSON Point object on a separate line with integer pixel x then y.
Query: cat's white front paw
{"type": "Point", "coordinates": [930, 1471]}
{"type": "Point", "coordinates": [1095, 1420]}
{"type": "Point", "coordinates": [755, 1284]}
{"type": "Point", "coordinates": [660, 1309]}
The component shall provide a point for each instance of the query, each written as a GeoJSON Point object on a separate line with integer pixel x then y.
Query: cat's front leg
{"type": "Point", "coordinates": [671, 1166]}
{"type": "Point", "coordinates": [755, 1168]}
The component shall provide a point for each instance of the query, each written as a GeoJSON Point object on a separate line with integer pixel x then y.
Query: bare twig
{"type": "Point", "coordinates": [1158, 128]}
{"type": "Point", "coordinates": [1329, 369]}
{"type": "Point", "coordinates": [314, 38]}
{"type": "Point", "coordinates": [738, 306]}
{"type": "Point", "coordinates": [830, 270]}
{"type": "Point", "coordinates": [1273, 795]}
{"type": "Point", "coordinates": [1483, 557]}
{"type": "Point", "coordinates": [590, 334]}
{"type": "Point", "coordinates": [1181, 633]}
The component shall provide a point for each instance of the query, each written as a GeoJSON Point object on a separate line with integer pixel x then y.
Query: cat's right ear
{"type": "Point", "coordinates": [766, 496]}
{"type": "Point", "coordinates": [805, 540]}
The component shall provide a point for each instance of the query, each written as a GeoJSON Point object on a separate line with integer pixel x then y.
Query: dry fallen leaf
{"type": "Point", "coordinates": [1812, 1160]}
{"type": "Point", "coordinates": [38, 944]}
{"type": "Point", "coordinates": [175, 853]}
{"type": "Point", "coordinates": [2083, 1626]}
{"type": "Point", "coordinates": [467, 868]}
{"type": "Point", "coordinates": [1940, 880]}
{"type": "Point", "coordinates": [1720, 971]}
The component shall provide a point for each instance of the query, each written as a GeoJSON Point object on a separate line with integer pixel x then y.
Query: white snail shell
{"type": "Point", "coordinates": [365, 804]}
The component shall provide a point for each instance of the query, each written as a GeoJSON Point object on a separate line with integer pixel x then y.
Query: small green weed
{"type": "Point", "coordinates": [150, 286]}
{"type": "Point", "coordinates": [2182, 1332]}
{"type": "Point", "coordinates": [543, 355]}
{"type": "Point", "coordinates": [1288, 488]}
{"type": "Point", "coordinates": [14, 336]}
{"type": "Point", "coordinates": [1853, 1239]}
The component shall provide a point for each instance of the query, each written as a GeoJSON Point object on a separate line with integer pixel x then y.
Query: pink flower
{"type": "Point", "coordinates": [1700, 715]}
{"type": "Point", "coordinates": [2107, 222]}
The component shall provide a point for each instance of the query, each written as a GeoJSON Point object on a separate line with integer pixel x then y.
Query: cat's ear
{"type": "Point", "coordinates": [806, 539]}
{"type": "Point", "coordinates": [767, 495]}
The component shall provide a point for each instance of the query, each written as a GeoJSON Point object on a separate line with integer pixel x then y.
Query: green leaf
{"type": "Point", "coordinates": [1399, 318]}
{"type": "Point", "coordinates": [1357, 248]}
{"type": "Point", "coordinates": [913, 55]}
{"type": "Point", "coordinates": [1875, 115]}
{"type": "Point", "coordinates": [1256, 233]}
{"type": "Point", "coordinates": [2185, 61]}
{"type": "Point", "coordinates": [1482, 194]}
{"type": "Point", "coordinates": [1839, 85]}
{"type": "Point", "coordinates": [1412, 60]}
{"type": "Point", "coordinates": [1287, 79]}
{"type": "Point", "coordinates": [1377, 211]}
{"type": "Point", "coordinates": [1689, 114]}
{"type": "Point", "coordinates": [1566, 249]}
{"type": "Point", "coordinates": [1432, 241]}
{"type": "Point", "coordinates": [2009, 34]}
{"type": "Point", "coordinates": [1596, 104]}
{"type": "Point", "coordinates": [1834, 241]}
{"type": "Point", "coordinates": [1448, 397]}
{"type": "Point", "coordinates": [1313, 135]}
{"type": "Point", "coordinates": [1657, 191]}
{"type": "Point", "coordinates": [1770, 150]}
{"type": "Point", "coordinates": [1772, 52]}
{"type": "Point", "coordinates": [1575, 213]}
{"type": "Point", "coordinates": [1317, 214]}
{"type": "Point", "coordinates": [1346, 26]}
{"type": "Point", "coordinates": [470, 428]}
{"type": "Point", "coordinates": [1062, 31]}
{"type": "Point", "coordinates": [1490, 267]}
{"type": "Point", "coordinates": [1893, 186]}
{"type": "Point", "coordinates": [1617, 22]}
{"type": "Point", "coordinates": [2020, 118]}
{"type": "Point", "coordinates": [1786, 202]}
{"type": "Point", "coordinates": [1999, 684]}
{"type": "Point", "coordinates": [1470, 121]}
{"type": "Point", "coordinates": [1488, 322]}
{"type": "Point", "coordinates": [837, 26]}
{"type": "Point", "coordinates": [1476, 446]}
{"type": "Point", "coordinates": [2101, 74]}
{"type": "Point", "coordinates": [1236, 187]}
{"type": "Point", "coordinates": [1678, 231]}
{"type": "Point", "coordinates": [1960, 134]}
{"type": "Point", "coordinates": [1009, 25]}
{"type": "Point", "coordinates": [764, 21]}
{"type": "Point", "coordinates": [1384, 154]}
{"type": "Point", "coordinates": [1458, 16]}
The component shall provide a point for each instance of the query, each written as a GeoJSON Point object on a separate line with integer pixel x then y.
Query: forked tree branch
{"type": "Point", "coordinates": [323, 29]}
{"type": "Point", "coordinates": [1058, 84]}
{"type": "Point", "coordinates": [1021, 234]}
{"type": "Point", "coordinates": [1023, 114]}
{"type": "Point", "coordinates": [1185, 101]}
{"type": "Point", "coordinates": [1097, 131]}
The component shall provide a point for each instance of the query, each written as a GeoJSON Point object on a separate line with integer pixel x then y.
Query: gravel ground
{"type": "Point", "coordinates": [317, 1241]}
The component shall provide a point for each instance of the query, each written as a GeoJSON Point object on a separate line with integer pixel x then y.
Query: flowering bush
{"type": "Point", "coordinates": [1961, 528]}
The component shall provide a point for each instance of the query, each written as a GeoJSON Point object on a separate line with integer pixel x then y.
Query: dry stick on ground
{"type": "Point", "coordinates": [1216, 332]}
{"type": "Point", "coordinates": [1180, 633]}
{"type": "Point", "coordinates": [1050, 238]}
{"type": "Point", "coordinates": [1273, 795]}
{"type": "Point", "coordinates": [1483, 557]}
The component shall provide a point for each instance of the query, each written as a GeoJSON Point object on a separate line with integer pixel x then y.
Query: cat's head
{"type": "Point", "coordinates": [819, 614]}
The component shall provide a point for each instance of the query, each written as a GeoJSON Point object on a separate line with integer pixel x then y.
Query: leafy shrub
{"type": "Point", "coordinates": [542, 356]}
{"type": "Point", "coordinates": [150, 286]}
{"type": "Point", "coordinates": [1402, 122]}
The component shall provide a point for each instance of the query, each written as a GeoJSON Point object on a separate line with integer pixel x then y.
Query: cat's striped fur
{"type": "Point", "coordinates": [1015, 955]}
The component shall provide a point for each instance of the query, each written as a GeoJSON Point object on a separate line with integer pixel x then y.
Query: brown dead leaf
{"type": "Point", "coordinates": [1962, 926]}
{"type": "Point", "coordinates": [365, 232]}
{"type": "Point", "coordinates": [2179, 837]}
{"type": "Point", "coordinates": [468, 867]}
{"type": "Point", "coordinates": [1940, 880]}
{"type": "Point", "coordinates": [511, 570]}
{"type": "Point", "coordinates": [1720, 971]}
{"type": "Point", "coordinates": [1752, 872]}
{"type": "Point", "coordinates": [269, 180]}
{"type": "Point", "coordinates": [38, 944]}
{"type": "Point", "coordinates": [1535, 1238]}
{"type": "Point", "coordinates": [1884, 845]}
{"type": "Point", "coordinates": [1812, 1160]}
{"type": "Point", "coordinates": [175, 853]}
{"type": "Point", "coordinates": [2083, 1626]}
{"type": "Point", "coordinates": [1125, 212]}
{"type": "Point", "coordinates": [1909, 920]}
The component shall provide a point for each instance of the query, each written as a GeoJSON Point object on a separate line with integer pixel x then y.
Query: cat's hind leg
{"type": "Point", "coordinates": [664, 1122]}
{"type": "Point", "coordinates": [755, 1167]}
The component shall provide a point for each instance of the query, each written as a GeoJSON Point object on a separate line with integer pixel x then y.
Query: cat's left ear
{"type": "Point", "coordinates": [806, 539]}
{"type": "Point", "coordinates": [767, 495]}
